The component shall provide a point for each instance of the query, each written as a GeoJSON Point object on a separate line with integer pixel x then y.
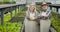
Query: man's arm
{"type": "Point", "coordinates": [48, 12]}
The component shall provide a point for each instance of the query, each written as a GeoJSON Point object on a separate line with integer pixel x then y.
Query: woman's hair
{"type": "Point", "coordinates": [33, 4]}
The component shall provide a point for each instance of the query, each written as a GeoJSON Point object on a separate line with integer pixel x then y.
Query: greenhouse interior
{"type": "Point", "coordinates": [13, 12]}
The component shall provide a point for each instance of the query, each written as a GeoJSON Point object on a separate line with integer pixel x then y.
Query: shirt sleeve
{"type": "Point", "coordinates": [39, 15]}
{"type": "Point", "coordinates": [48, 12]}
{"type": "Point", "coordinates": [27, 14]}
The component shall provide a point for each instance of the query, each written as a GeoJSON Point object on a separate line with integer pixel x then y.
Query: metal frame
{"type": "Point", "coordinates": [57, 6]}
{"type": "Point", "coordinates": [11, 7]}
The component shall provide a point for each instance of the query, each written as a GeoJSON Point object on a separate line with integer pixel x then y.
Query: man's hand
{"type": "Point", "coordinates": [46, 16]}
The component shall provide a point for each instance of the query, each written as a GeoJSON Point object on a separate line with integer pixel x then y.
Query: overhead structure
{"type": "Point", "coordinates": [21, 1]}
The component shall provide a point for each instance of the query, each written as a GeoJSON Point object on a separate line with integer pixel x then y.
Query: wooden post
{"type": "Point", "coordinates": [11, 12]}
{"type": "Point", "coordinates": [15, 10]}
{"type": "Point", "coordinates": [57, 12]}
{"type": "Point", "coordinates": [50, 8]}
{"type": "Point", "coordinates": [18, 8]}
{"type": "Point", "coordinates": [2, 17]}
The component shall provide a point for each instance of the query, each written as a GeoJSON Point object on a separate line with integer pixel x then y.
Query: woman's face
{"type": "Point", "coordinates": [32, 8]}
{"type": "Point", "coordinates": [44, 7]}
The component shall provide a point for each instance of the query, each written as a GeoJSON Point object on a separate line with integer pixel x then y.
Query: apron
{"type": "Point", "coordinates": [31, 26]}
{"type": "Point", "coordinates": [44, 24]}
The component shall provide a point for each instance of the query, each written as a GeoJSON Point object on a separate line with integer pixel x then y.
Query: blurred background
{"type": "Point", "coordinates": [11, 20]}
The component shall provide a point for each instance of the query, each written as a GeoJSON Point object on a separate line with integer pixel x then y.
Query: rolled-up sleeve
{"type": "Point", "coordinates": [27, 14]}
{"type": "Point", "coordinates": [48, 12]}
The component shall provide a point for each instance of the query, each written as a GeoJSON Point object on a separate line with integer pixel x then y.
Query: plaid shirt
{"type": "Point", "coordinates": [48, 12]}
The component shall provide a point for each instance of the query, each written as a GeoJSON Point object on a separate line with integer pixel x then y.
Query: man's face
{"type": "Point", "coordinates": [44, 7]}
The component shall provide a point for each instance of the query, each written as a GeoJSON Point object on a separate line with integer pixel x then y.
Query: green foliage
{"type": "Point", "coordinates": [11, 27]}
{"type": "Point", "coordinates": [38, 8]}
{"type": "Point", "coordinates": [7, 1]}
{"type": "Point", "coordinates": [15, 26]}
{"type": "Point", "coordinates": [55, 22]}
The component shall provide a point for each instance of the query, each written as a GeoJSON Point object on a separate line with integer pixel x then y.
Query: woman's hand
{"type": "Point", "coordinates": [32, 18]}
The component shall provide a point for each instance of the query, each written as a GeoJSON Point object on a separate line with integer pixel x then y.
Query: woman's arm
{"type": "Point", "coordinates": [27, 15]}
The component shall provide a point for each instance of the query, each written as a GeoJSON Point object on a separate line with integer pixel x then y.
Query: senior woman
{"type": "Point", "coordinates": [31, 25]}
